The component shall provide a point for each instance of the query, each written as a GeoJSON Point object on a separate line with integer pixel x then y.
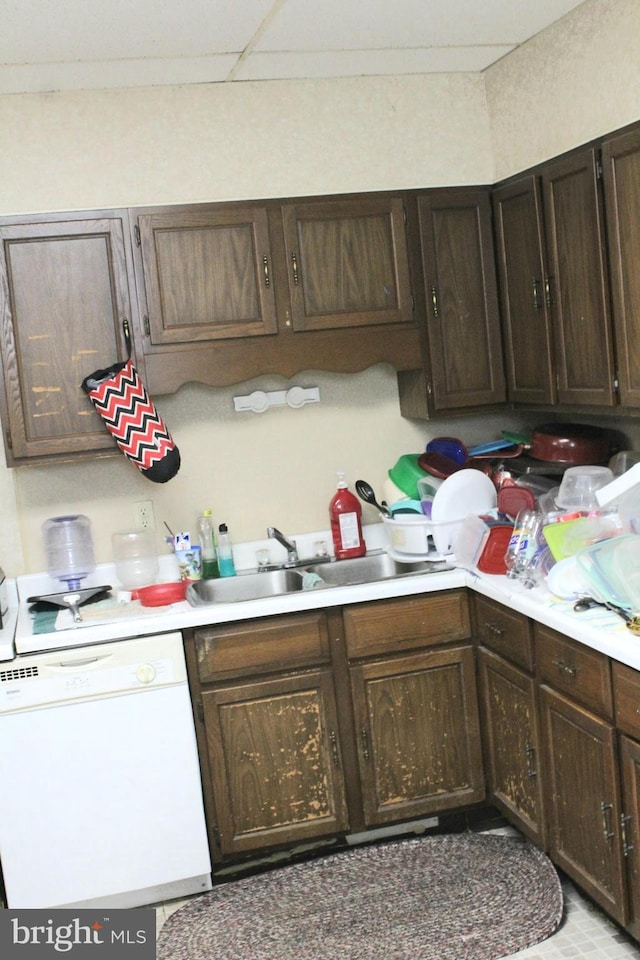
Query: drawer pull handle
{"type": "Point", "coordinates": [334, 748]}
{"type": "Point", "coordinates": [365, 744]}
{"type": "Point", "coordinates": [265, 267]}
{"type": "Point", "coordinates": [565, 668]}
{"type": "Point", "coordinates": [492, 628]}
{"type": "Point", "coordinates": [294, 264]}
{"type": "Point", "coordinates": [605, 809]}
{"type": "Point", "coordinates": [626, 846]}
{"type": "Point", "coordinates": [530, 751]}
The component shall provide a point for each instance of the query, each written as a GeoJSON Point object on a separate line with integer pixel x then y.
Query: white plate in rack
{"type": "Point", "coordinates": [465, 491]}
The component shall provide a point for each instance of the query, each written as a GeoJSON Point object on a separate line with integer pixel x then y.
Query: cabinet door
{"type": "Point", "coordinates": [463, 326]}
{"type": "Point", "coordinates": [621, 163]}
{"type": "Point", "coordinates": [630, 826]}
{"type": "Point", "coordinates": [275, 762]}
{"type": "Point", "coordinates": [512, 743]}
{"type": "Point", "coordinates": [578, 280]}
{"type": "Point", "coordinates": [347, 263]}
{"type": "Point", "coordinates": [581, 778]}
{"type": "Point", "coordinates": [419, 738]}
{"type": "Point", "coordinates": [523, 292]}
{"type": "Point", "coordinates": [64, 294]}
{"type": "Point", "coordinates": [205, 273]}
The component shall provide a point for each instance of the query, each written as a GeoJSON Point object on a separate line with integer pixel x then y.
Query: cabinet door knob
{"type": "Point", "coordinates": [334, 748]}
{"type": "Point", "coordinates": [365, 744]}
{"type": "Point", "coordinates": [434, 301]}
{"type": "Point", "coordinates": [530, 751]}
{"type": "Point", "coordinates": [605, 809]}
{"type": "Point", "coordinates": [626, 846]}
{"type": "Point", "coordinates": [537, 303]}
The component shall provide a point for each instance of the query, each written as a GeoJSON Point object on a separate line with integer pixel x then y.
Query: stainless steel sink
{"type": "Point", "coordinates": [334, 573]}
{"type": "Point", "coordinates": [245, 586]}
{"type": "Point", "coordinates": [375, 566]}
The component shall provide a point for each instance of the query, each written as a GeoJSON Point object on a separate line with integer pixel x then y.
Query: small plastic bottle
{"type": "Point", "coordinates": [226, 565]}
{"type": "Point", "coordinates": [345, 514]}
{"type": "Point", "coordinates": [207, 541]}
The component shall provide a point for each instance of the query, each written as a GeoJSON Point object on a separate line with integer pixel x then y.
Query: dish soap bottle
{"type": "Point", "coordinates": [207, 541]}
{"type": "Point", "coordinates": [345, 513]}
{"type": "Point", "coordinates": [226, 565]}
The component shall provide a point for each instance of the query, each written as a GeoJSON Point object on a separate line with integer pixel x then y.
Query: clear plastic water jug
{"type": "Point", "coordinates": [69, 549]}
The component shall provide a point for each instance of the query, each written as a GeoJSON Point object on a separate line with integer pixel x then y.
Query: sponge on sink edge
{"type": "Point", "coordinates": [311, 580]}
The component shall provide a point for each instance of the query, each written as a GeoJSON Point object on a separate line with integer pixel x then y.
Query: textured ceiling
{"type": "Point", "coordinates": [78, 44]}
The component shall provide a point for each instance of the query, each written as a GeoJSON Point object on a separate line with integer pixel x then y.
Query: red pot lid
{"type": "Point", "coordinates": [513, 499]}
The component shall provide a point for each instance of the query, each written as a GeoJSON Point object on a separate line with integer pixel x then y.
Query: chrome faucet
{"type": "Point", "coordinates": [289, 545]}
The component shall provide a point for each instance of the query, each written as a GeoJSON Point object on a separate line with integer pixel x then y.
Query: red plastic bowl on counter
{"type": "Point", "coordinates": [160, 594]}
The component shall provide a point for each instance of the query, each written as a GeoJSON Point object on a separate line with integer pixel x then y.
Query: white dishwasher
{"type": "Point", "coordinates": [100, 796]}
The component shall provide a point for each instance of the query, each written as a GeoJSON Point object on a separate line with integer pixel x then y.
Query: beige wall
{"type": "Point", "coordinates": [209, 142]}
{"type": "Point", "coordinates": [577, 80]}
{"type": "Point", "coordinates": [231, 141]}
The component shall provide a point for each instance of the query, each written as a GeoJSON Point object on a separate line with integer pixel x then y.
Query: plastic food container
{"type": "Point", "coordinates": [482, 542]}
{"type": "Point", "coordinates": [136, 560]}
{"type": "Point", "coordinates": [566, 538]}
{"type": "Point", "coordinates": [579, 486]}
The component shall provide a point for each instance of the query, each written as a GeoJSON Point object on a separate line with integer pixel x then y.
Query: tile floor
{"type": "Point", "coordinates": [586, 933]}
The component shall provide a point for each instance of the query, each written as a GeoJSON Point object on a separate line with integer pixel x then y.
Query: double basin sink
{"type": "Point", "coordinates": [332, 573]}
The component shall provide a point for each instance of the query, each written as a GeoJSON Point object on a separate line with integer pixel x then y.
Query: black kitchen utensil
{"type": "Point", "coordinates": [366, 492]}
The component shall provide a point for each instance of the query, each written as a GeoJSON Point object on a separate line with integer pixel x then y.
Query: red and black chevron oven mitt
{"type": "Point", "coordinates": [121, 399]}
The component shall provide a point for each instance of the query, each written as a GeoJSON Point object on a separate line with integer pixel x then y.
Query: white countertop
{"type": "Point", "coordinates": [598, 628]}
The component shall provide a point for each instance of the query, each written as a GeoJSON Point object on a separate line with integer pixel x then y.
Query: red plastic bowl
{"type": "Point", "coordinates": [160, 594]}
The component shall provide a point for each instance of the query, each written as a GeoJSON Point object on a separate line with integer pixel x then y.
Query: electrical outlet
{"type": "Point", "coordinates": [143, 513]}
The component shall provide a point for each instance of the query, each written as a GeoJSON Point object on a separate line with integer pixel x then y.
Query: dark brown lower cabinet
{"type": "Point", "coordinates": [630, 826]}
{"type": "Point", "coordinates": [315, 724]}
{"type": "Point", "coordinates": [583, 799]}
{"type": "Point", "coordinates": [419, 738]}
{"type": "Point", "coordinates": [275, 763]}
{"type": "Point", "coordinates": [512, 743]}
{"type": "Point", "coordinates": [297, 743]}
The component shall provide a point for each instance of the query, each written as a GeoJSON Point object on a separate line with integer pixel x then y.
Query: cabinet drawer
{"type": "Point", "coordinates": [577, 670]}
{"type": "Point", "coordinates": [408, 623]}
{"type": "Point", "coordinates": [504, 631]}
{"type": "Point", "coordinates": [262, 646]}
{"type": "Point", "coordinates": [626, 687]}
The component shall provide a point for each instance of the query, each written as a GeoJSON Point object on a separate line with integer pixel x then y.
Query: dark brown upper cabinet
{"type": "Point", "coordinates": [463, 367]}
{"type": "Point", "coordinates": [64, 295]}
{"type": "Point", "coordinates": [578, 285]}
{"type": "Point", "coordinates": [205, 273]}
{"type": "Point", "coordinates": [347, 263]}
{"type": "Point", "coordinates": [621, 166]}
{"type": "Point", "coordinates": [233, 291]}
{"type": "Point", "coordinates": [524, 291]}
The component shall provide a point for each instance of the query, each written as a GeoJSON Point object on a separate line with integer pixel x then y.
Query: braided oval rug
{"type": "Point", "coordinates": [452, 897]}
